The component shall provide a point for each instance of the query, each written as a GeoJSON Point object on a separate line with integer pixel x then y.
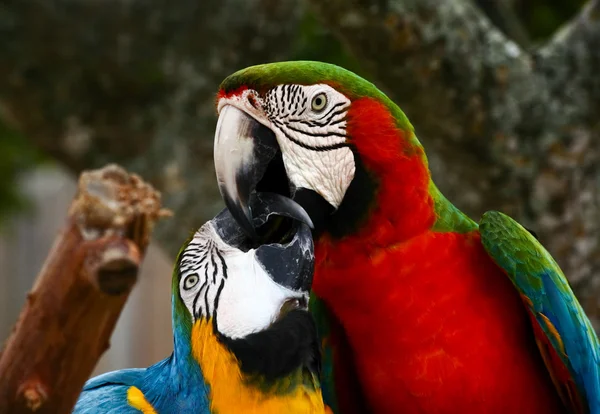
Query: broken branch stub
{"type": "Point", "coordinates": [71, 311]}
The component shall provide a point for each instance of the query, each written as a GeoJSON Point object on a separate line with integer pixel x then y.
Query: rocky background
{"type": "Point", "coordinates": [504, 95]}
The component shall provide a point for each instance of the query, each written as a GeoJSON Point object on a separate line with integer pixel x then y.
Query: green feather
{"type": "Point", "coordinates": [264, 77]}
{"type": "Point", "coordinates": [537, 277]}
{"type": "Point", "coordinates": [182, 320]}
{"type": "Point", "coordinates": [448, 217]}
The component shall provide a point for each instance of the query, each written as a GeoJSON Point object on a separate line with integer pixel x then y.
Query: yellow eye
{"type": "Point", "coordinates": [319, 102]}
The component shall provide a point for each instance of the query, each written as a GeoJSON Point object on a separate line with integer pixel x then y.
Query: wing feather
{"type": "Point", "coordinates": [563, 332]}
{"type": "Point", "coordinates": [107, 393]}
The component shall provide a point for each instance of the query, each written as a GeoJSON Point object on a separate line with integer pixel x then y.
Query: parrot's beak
{"type": "Point", "coordinates": [286, 255]}
{"type": "Point", "coordinates": [243, 150]}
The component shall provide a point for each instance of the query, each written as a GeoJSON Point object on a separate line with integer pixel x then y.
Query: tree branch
{"type": "Point", "coordinates": [570, 63]}
{"type": "Point", "coordinates": [502, 14]}
{"type": "Point", "coordinates": [74, 305]}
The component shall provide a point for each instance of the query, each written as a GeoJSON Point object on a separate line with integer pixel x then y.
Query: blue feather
{"type": "Point", "coordinates": [536, 276]}
{"type": "Point", "coordinates": [109, 399]}
{"type": "Point", "coordinates": [122, 377]}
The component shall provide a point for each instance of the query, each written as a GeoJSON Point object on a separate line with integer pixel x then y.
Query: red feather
{"type": "Point", "coordinates": [229, 94]}
{"type": "Point", "coordinates": [563, 381]}
{"type": "Point", "coordinates": [433, 325]}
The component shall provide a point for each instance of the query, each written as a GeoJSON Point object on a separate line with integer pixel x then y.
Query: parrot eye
{"type": "Point", "coordinates": [319, 102]}
{"type": "Point", "coordinates": [190, 281]}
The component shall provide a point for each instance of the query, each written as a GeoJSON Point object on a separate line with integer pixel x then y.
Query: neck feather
{"type": "Point", "coordinates": [397, 196]}
{"type": "Point", "coordinates": [177, 381]}
{"type": "Point", "coordinates": [234, 390]}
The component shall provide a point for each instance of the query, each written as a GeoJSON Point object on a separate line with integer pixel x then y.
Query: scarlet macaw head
{"type": "Point", "coordinates": [315, 133]}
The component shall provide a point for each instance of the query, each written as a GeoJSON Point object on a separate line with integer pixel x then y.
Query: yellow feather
{"type": "Point", "coordinates": [135, 398]}
{"type": "Point", "coordinates": [230, 393]}
{"type": "Point", "coordinates": [554, 333]}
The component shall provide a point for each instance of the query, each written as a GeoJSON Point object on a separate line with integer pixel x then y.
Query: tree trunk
{"type": "Point", "coordinates": [78, 296]}
{"type": "Point", "coordinates": [134, 82]}
{"type": "Point", "coordinates": [505, 128]}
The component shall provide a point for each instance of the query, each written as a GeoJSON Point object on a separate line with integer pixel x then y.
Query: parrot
{"type": "Point", "coordinates": [244, 339]}
{"type": "Point", "coordinates": [419, 308]}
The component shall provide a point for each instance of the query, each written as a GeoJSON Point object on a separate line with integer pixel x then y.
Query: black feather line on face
{"type": "Point", "coordinates": [217, 298]}
{"type": "Point", "coordinates": [317, 134]}
{"type": "Point", "coordinates": [283, 93]}
{"type": "Point", "coordinates": [197, 260]}
{"type": "Point", "coordinates": [223, 264]}
{"type": "Point", "coordinates": [214, 265]}
{"type": "Point", "coordinates": [326, 116]}
{"type": "Point", "coordinates": [289, 344]}
{"type": "Point", "coordinates": [195, 310]}
{"type": "Point", "coordinates": [206, 314]}
{"type": "Point", "coordinates": [331, 147]}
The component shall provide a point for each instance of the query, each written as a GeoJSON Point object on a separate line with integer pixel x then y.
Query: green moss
{"type": "Point", "coordinates": [17, 156]}
{"type": "Point", "coordinates": [543, 17]}
{"type": "Point", "coordinates": [314, 42]}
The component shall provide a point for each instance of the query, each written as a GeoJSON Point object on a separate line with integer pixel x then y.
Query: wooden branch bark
{"type": "Point", "coordinates": [76, 300]}
{"type": "Point", "coordinates": [505, 129]}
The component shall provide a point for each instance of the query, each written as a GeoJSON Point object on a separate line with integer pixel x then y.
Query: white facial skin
{"type": "Point", "coordinates": [217, 280]}
{"type": "Point", "coordinates": [309, 122]}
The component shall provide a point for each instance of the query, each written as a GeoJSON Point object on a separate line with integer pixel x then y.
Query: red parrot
{"type": "Point", "coordinates": [421, 309]}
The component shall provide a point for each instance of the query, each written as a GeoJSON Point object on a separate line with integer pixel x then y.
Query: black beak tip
{"type": "Point", "coordinates": [290, 265]}
{"type": "Point", "coordinates": [242, 214]}
{"type": "Point", "coordinates": [273, 203]}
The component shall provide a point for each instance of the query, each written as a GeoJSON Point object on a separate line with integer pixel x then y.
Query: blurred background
{"type": "Point", "coordinates": [506, 104]}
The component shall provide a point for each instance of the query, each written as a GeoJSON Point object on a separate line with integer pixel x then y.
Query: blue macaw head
{"type": "Point", "coordinates": [240, 303]}
{"type": "Point", "coordinates": [242, 283]}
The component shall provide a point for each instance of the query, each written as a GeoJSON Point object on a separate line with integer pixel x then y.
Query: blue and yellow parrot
{"type": "Point", "coordinates": [244, 341]}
